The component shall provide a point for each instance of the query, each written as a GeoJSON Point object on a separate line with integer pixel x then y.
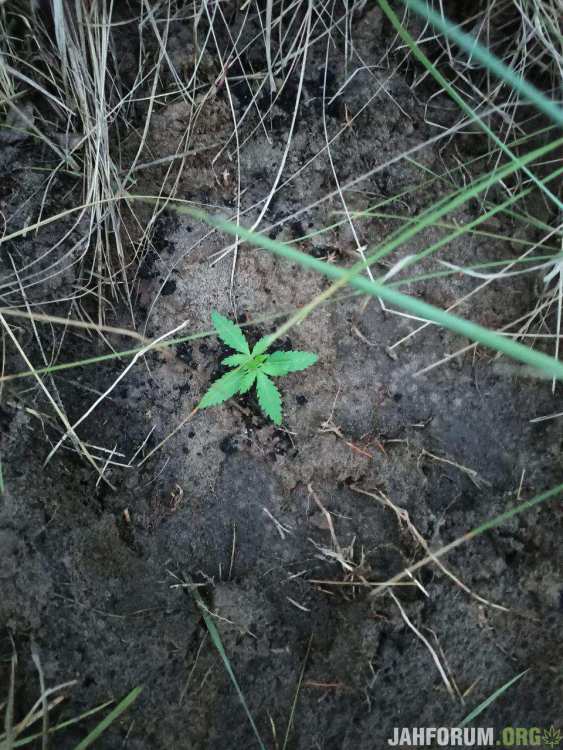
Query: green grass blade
{"type": "Point", "coordinates": [459, 231]}
{"type": "Point", "coordinates": [216, 640]}
{"type": "Point", "coordinates": [492, 523]}
{"type": "Point", "coordinates": [122, 706]}
{"type": "Point", "coordinates": [470, 330]}
{"type": "Point", "coordinates": [472, 47]}
{"type": "Point", "coordinates": [507, 515]}
{"type": "Point", "coordinates": [9, 707]}
{"type": "Point", "coordinates": [296, 696]}
{"type": "Point", "coordinates": [123, 354]}
{"type": "Point", "coordinates": [491, 699]}
{"type": "Point", "coordinates": [449, 89]}
{"type": "Point", "coordinates": [62, 725]}
{"type": "Point", "coordinates": [454, 201]}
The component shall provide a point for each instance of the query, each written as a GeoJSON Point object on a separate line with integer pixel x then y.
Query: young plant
{"type": "Point", "coordinates": [251, 367]}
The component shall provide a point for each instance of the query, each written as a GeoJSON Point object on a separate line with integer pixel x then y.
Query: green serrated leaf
{"type": "Point", "coordinates": [234, 360]}
{"type": "Point", "coordinates": [280, 363]}
{"type": "Point", "coordinates": [222, 389]}
{"type": "Point", "coordinates": [261, 345]}
{"type": "Point", "coordinates": [269, 397]}
{"type": "Point", "coordinates": [230, 333]}
{"type": "Point", "coordinates": [247, 381]}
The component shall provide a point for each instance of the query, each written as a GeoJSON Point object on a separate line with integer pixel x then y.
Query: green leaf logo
{"type": "Point", "coordinates": [551, 737]}
{"type": "Point", "coordinates": [250, 368]}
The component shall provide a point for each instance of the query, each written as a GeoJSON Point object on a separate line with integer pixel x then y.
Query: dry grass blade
{"type": "Point", "coordinates": [44, 704]}
{"type": "Point", "coordinates": [11, 737]}
{"type": "Point", "coordinates": [403, 518]}
{"type": "Point", "coordinates": [428, 645]}
{"type": "Point", "coordinates": [69, 429]}
{"type": "Point", "coordinates": [43, 318]}
{"type": "Point", "coordinates": [9, 713]}
{"type": "Point", "coordinates": [469, 535]}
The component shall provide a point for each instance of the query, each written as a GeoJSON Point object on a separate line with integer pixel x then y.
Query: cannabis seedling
{"type": "Point", "coordinates": [252, 367]}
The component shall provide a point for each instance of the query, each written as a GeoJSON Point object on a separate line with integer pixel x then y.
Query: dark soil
{"type": "Point", "coordinates": [96, 579]}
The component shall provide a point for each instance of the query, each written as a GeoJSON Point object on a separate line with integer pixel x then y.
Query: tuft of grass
{"type": "Point", "coordinates": [448, 88]}
{"type": "Point", "coordinates": [15, 735]}
{"type": "Point", "coordinates": [524, 34]}
{"type": "Point", "coordinates": [490, 61]}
